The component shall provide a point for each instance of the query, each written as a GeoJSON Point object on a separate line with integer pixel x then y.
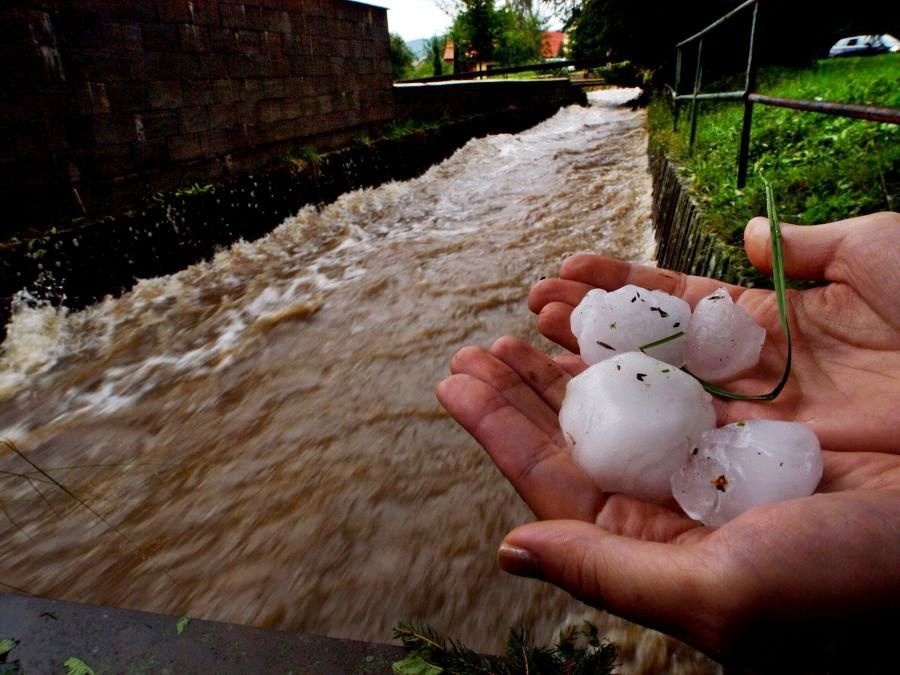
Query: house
{"type": "Point", "coordinates": [553, 43]}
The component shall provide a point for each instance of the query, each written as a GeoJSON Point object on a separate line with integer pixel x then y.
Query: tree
{"type": "Point", "coordinates": [520, 34]}
{"type": "Point", "coordinates": [436, 51]}
{"type": "Point", "coordinates": [474, 31]}
{"type": "Point", "coordinates": [510, 35]}
{"type": "Point", "coordinates": [401, 57]}
{"type": "Point", "coordinates": [646, 32]}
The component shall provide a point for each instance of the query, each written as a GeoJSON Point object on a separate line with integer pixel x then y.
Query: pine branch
{"type": "Point", "coordinates": [580, 650]}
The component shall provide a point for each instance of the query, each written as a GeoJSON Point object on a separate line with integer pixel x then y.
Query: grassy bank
{"type": "Point", "coordinates": [823, 168]}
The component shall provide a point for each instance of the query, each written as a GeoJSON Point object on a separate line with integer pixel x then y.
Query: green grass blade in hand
{"type": "Point", "coordinates": [781, 297]}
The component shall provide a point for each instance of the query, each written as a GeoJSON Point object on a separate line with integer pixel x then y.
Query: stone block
{"type": "Point", "coordinates": [253, 17]}
{"type": "Point", "coordinates": [79, 27]}
{"type": "Point", "coordinates": [227, 116]}
{"type": "Point", "coordinates": [112, 159]}
{"type": "Point", "coordinates": [122, 36]}
{"type": "Point", "coordinates": [277, 21]}
{"type": "Point", "coordinates": [225, 90]}
{"type": "Point", "coordinates": [194, 119]}
{"type": "Point", "coordinates": [160, 37]}
{"type": "Point", "coordinates": [164, 94]}
{"type": "Point", "coordinates": [232, 16]}
{"type": "Point", "coordinates": [117, 128]}
{"type": "Point", "coordinates": [150, 155]}
{"type": "Point", "coordinates": [222, 40]}
{"type": "Point", "coordinates": [214, 143]}
{"type": "Point", "coordinates": [247, 41]}
{"type": "Point", "coordinates": [268, 111]}
{"type": "Point", "coordinates": [272, 44]}
{"type": "Point", "coordinates": [130, 96]}
{"type": "Point", "coordinates": [197, 12]}
{"type": "Point", "coordinates": [185, 147]}
{"type": "Point", "coordinates": [211, 66]}
{"type": "Point", "coordinates": [196, 93]}
{"type": "Point", "coordinates": [161, 124]}
{"type": "Point", "coordinates": [138, 12]}
{"type": "Point", "coordinates": [193, 38]}
{"type": "Point", "coordinates": [91, 98]}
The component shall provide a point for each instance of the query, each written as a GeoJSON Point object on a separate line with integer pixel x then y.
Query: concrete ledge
{"type": "Point", "coordinates": [111, 640]}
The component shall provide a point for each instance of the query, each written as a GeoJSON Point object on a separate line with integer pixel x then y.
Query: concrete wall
{"type": "Point", "coordinates": [106, 101]}
{"type": "Point", "coordinates": [458, 99]}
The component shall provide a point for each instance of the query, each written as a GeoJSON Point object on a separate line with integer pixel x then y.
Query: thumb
{"type": "Point", "coordinates": [663, 586]}
{"type": "Point", "coordinates": [808, 249]}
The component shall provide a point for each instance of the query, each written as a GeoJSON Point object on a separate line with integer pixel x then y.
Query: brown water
{"type": "Point", "coordinates": [257, 436]}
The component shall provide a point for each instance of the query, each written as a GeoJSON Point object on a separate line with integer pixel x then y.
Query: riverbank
{"type": "Point", "coordinates": [85, 260]}
{"type": "Point", "coordinates": [822, 168]}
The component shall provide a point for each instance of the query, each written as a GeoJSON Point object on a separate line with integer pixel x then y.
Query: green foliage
{"type": "Point", "coordinates": [8, 667]}
{"type": "Point", "coordinates": [646, 32]}
{"type": "Point", "coordinates": [436, 47]}
{"type": "Point", "coordinates": [304, 155]}
{"type": "Point", "coordinates": [75, 666]}
{"type": "Point", "coordinates": [401, 57]}
{"type": "Point", "coordinates": [826, 168]}
{"type": "Point", "coordinates": [474, 32]}
{"type": "Point", "coordinates": [519, 36]}
{"type": "Point", "coordinates": [181, 624]}
{"type": "Point", "coordinates": [397, 130]}
{"type": "Point", "coordinates": [578, 650]}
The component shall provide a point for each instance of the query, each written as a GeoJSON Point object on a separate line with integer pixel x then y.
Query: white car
{"type": "Point", "coordinates": [864, 45]}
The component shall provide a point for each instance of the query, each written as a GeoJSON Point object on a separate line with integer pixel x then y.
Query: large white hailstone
{"type": "Point", "coordinates": [722, 339]}
{"type": "Point", "coordinates": [746, 464]}
{"type": "Point", "coordinates": [626, 319]}
{"type": "Point", "coordinates": [632, 420]}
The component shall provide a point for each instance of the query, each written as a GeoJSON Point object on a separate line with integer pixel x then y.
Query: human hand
{"type": "Point", "coordinates": [784, 584]}
{"type": "Point", "coordinates": [846, 334]}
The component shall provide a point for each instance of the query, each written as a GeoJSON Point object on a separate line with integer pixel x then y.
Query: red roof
{"type": "Point", "coordinates": [552, 43]}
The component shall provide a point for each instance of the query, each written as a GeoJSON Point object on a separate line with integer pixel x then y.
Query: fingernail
{"type": "Point", "coordinates": [518, 561]}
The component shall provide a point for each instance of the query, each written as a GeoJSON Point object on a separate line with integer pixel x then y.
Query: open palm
{"type": "Point", "coordinates": [822, 571]}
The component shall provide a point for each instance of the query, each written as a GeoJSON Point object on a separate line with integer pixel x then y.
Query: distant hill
{"type": "Point", "coordinates": [419, 48]}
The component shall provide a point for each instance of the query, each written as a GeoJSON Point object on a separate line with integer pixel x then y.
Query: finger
{"type": "Point", "coordinates": [808, 250]}
{"type": "Point", "coordinates": [554, 323]}
{"type": "Point", "coordinates": [611, 274]}
{"type": "Point", "coordinates": [540, 471]}
{"type": "Point", "coordinates": [556, 290]}
{"type": "Point", "coordinates": [660, 585]}
{"type": "Point", "coordinates": [543, 375]}
{"type": "Point", "coordinates": [572, 364]}
{"type": "Point", "coordinates": [521, 394]}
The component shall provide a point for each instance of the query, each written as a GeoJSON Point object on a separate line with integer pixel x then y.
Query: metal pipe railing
{"type": "Point", "coordinates": [749, 97]}
{"type": "Point", "coordinates": [718, 22]}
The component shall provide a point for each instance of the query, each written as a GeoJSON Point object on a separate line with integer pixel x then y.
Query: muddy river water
{"type": "Point", "coordinates": [255, 439]}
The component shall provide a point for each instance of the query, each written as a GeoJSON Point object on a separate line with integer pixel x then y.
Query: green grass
{"type": "Point", "coordinates": [822, 168]}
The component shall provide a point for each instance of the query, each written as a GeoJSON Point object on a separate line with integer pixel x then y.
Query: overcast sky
{"type": "Point", "coordinates": [413, 19]}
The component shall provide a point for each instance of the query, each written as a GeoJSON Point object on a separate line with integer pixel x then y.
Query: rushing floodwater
{"type": "Point", "coordinates": [259, 432]}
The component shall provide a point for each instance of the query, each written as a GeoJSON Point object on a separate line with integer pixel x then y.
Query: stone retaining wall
{"type": "Point", "coordinates": [81, 263]}
{"type": "Point", "coordinates": [104, 102]}
{"type": "Point", "coordinates": [683, 242]}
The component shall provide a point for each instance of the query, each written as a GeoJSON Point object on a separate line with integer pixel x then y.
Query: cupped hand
{"type": "Point", "coordinates": [783, 585]}
{"type": "Point", "coordinates": [846, 333]}
{"type": "Point", "coordinates": [802, 583]}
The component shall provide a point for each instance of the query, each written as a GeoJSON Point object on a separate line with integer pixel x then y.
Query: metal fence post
{"type": "Point", "coordinates": [677, 87]}
{"type": "Point", "coordinates": [749, 86]}
{"type": "Point", "coordinates": [698, 73]}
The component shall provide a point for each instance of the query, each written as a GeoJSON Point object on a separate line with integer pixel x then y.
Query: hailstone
{"type": "Point", "coordinates": [722, 339]}
{"type": "Point", "coordinates": [746, 464]}
{"type": "Point", "coordinates": [628, 318]}
{"type": "Point", "coordinates": [631, 421]}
